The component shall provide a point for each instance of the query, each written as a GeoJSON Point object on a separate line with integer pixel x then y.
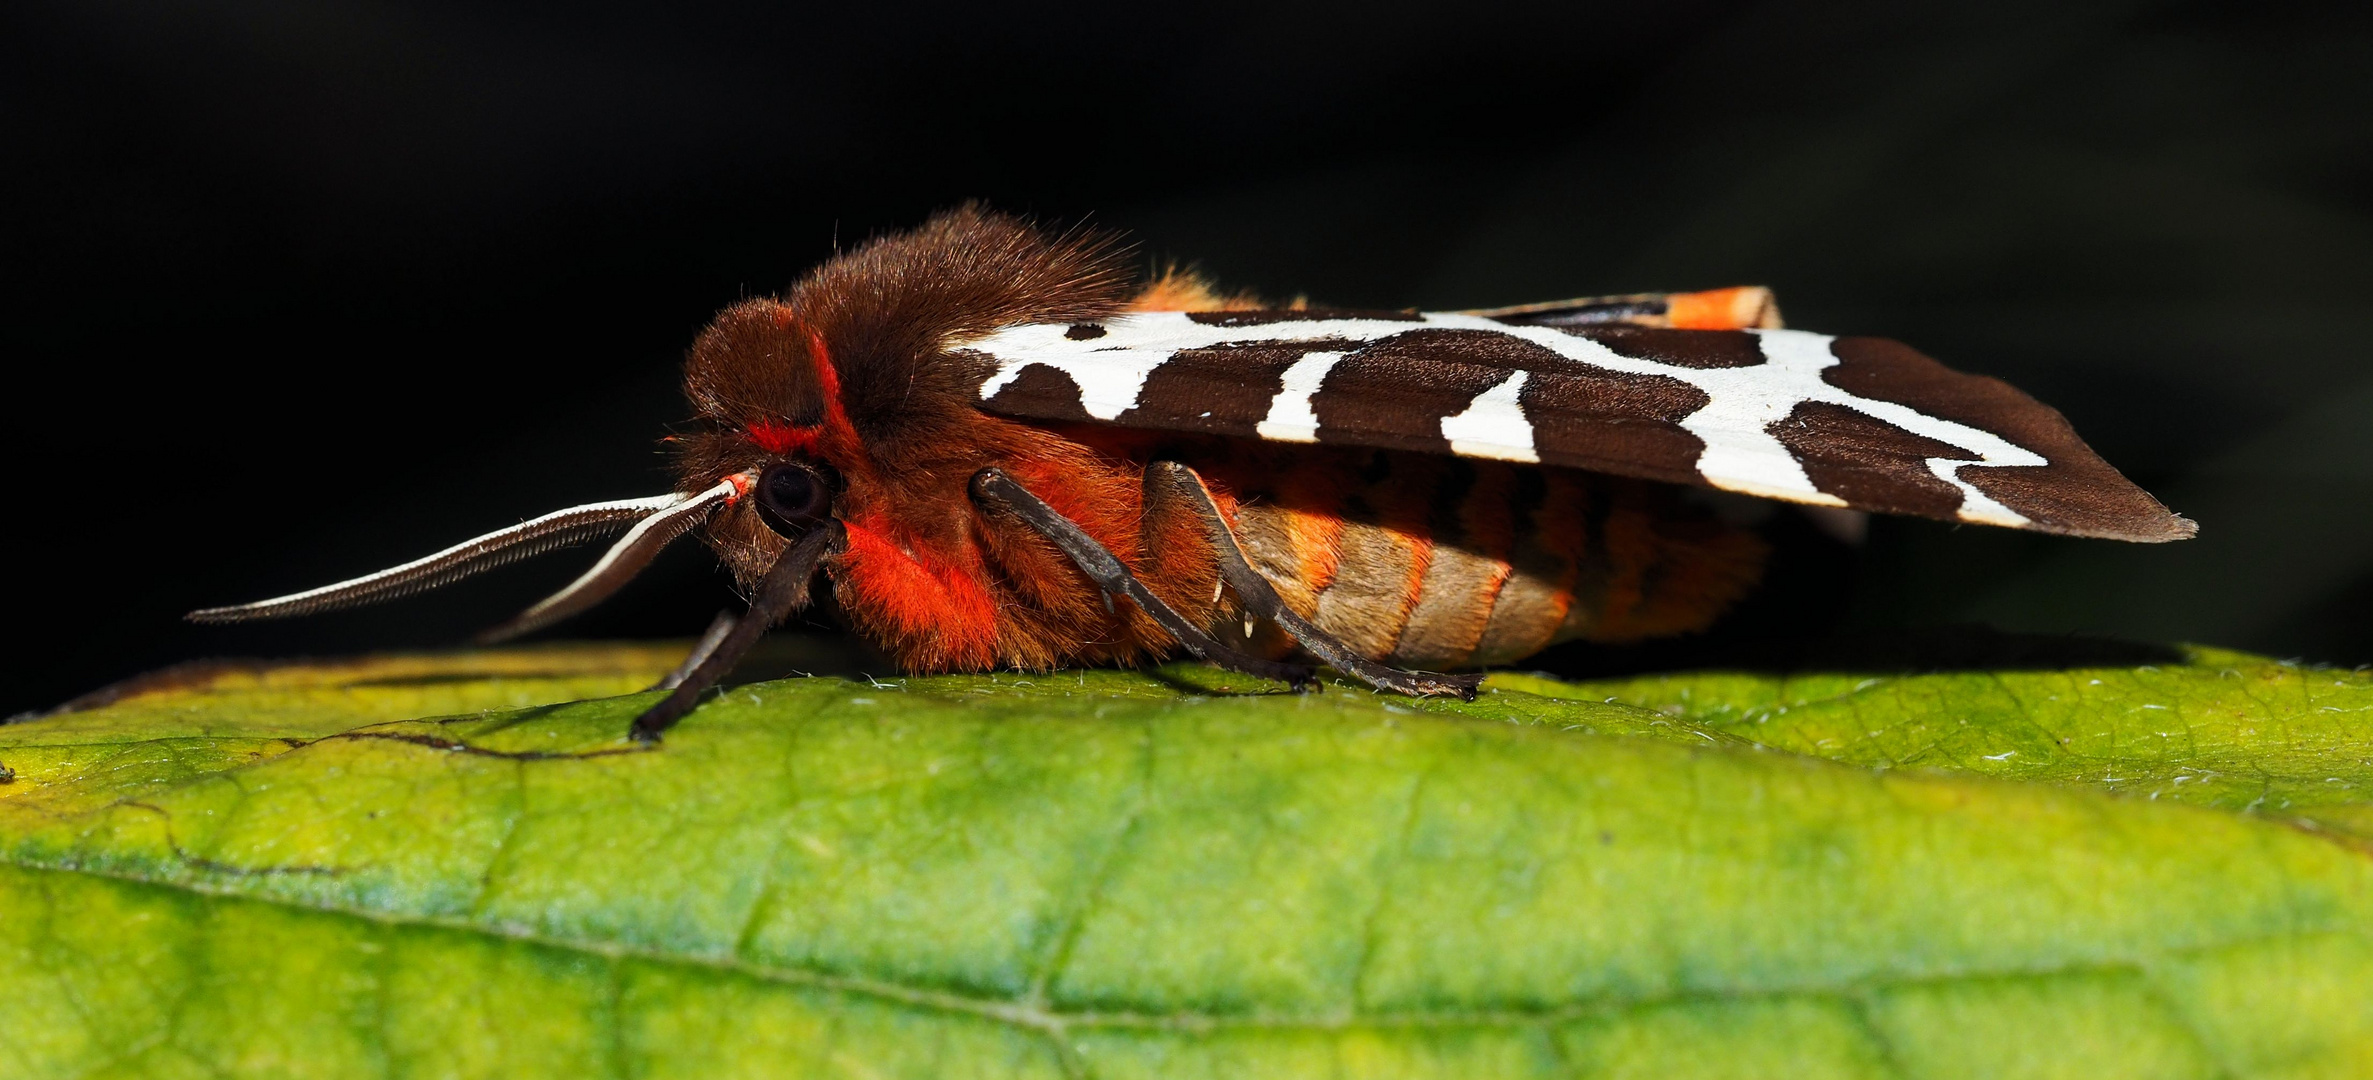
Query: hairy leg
{"type": "Point", "coordinates": [706, 647]}
{"type": "Point", "coordinates": [783, 591]}
{"type": "Point", "coordinates": [994, 487]}
{"type": "Point", "coordinates": [1171, 480]}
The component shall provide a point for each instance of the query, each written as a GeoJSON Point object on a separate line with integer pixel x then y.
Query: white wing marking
{"type": "Point", "coordinates": [1741, 454]}
{"type": "Point", "coordinates": [1109, 379]}
{"type": "Point", "coordinates": [1290, 417]}
{"type": "Point", "coordinates": [1743, 403]}
{"type": "Point", "coordinates": [1494, 425]}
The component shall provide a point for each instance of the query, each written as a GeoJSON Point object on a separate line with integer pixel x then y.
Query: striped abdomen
{"type": "Point", "coordinates": [1434, 562]}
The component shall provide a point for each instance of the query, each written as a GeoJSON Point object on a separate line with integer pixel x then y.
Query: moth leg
{"type": "Point", "coordinates": [701, 650]}
{"type": "Point", "coordinates": [783, 591]}
{"type": "Point", "coordinates": [1260, 598]}
{"type": "Point", "coordinates": [993, 486]}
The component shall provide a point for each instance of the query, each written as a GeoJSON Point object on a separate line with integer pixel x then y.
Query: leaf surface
{"type": "Point", "coordinates": [450, 866]}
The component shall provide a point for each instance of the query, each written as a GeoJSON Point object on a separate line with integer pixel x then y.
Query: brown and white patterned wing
{"type": "Point", "coordinates": [1782, 414]}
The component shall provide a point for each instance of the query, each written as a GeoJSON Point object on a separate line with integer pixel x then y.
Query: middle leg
{"type": "Point", "coordinates": [993, 486]}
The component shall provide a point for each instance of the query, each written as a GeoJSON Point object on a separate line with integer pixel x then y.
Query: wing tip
{"type": "Point", "coordinates": [2170, 527]}
{"type": "Point", "coordinates": [2164, 527]}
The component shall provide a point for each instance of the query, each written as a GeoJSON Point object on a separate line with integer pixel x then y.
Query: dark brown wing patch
{"type": "Point", "coordinates": [1868, 462]}
{"type": "Point", "coordinates": [1680, 348]}
{"type": "Point", "coordinates": [1614, 421]}
{"type": "Point", "coordinates": [1042, 392]}
{"type": "Point", "coordinates": [1394, 393]}
{"type": "Point", "coordinates": [1225, 389]}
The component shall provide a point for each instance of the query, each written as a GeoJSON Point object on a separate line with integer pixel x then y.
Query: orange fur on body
{"type": "Point", "coordinates": [1179, 289]}
{"type": "Point", "coordinates": [849, 370]}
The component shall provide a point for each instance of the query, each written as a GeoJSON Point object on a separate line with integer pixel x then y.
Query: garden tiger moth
{"type": "Point", "coordinates": [982, 432]}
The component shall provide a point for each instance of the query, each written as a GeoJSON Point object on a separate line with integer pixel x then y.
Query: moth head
{"type": "Point", "coordinates": [783, 498]}
{"type": "Point", "coordinates": [767, 404]}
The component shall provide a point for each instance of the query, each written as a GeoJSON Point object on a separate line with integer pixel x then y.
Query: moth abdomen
{"type": "Point", "coordinates": [1431, 563]}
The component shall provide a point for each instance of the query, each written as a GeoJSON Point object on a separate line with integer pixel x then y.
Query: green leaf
{"type": "Point", "coordinates": [2227, 730]}
{"type": "Point", "coordinates": [449, 866]}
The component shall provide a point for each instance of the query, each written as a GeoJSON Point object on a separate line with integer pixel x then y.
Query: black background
{"type": "Point", "coordinates": [305, 289]}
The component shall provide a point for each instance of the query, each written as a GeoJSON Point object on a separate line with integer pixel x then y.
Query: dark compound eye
{"type": "Point", "coordinates": [792, 497]}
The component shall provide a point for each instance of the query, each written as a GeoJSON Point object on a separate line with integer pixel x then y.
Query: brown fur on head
{"type": "Point", "coordinates": [883, 314]}
{"type": "Point", "coordinates": [886, 312]}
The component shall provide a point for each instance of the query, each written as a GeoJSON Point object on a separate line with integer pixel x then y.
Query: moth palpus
{"type": "Point", "coordinates": [981, 432]}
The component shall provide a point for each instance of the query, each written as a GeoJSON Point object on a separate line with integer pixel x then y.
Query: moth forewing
{"type": "Point", "coordinates": [1729, 404]}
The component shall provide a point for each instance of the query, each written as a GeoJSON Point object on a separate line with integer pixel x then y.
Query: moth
{"type": "Point", "coordinates": [981, 433]}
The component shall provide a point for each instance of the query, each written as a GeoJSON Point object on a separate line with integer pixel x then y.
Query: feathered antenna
{"type": "Point", "coordinates": [621, 563]}
{"type": "Point", "coordinates": [552, 531]}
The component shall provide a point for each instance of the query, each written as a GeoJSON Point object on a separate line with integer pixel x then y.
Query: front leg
{"type": "Point", "coordinates": [1003, 492]}
{"type": "Point", "coordinates": [783, 591]}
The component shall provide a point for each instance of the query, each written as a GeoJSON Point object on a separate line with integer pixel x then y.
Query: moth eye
{"type": "Point", "coordinates": [792, 497]}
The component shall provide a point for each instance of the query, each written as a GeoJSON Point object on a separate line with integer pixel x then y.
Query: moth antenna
{"type": "Point", "coordinates": [557, 529]}
{"type": "Point", "coordinates": [622, 562]}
